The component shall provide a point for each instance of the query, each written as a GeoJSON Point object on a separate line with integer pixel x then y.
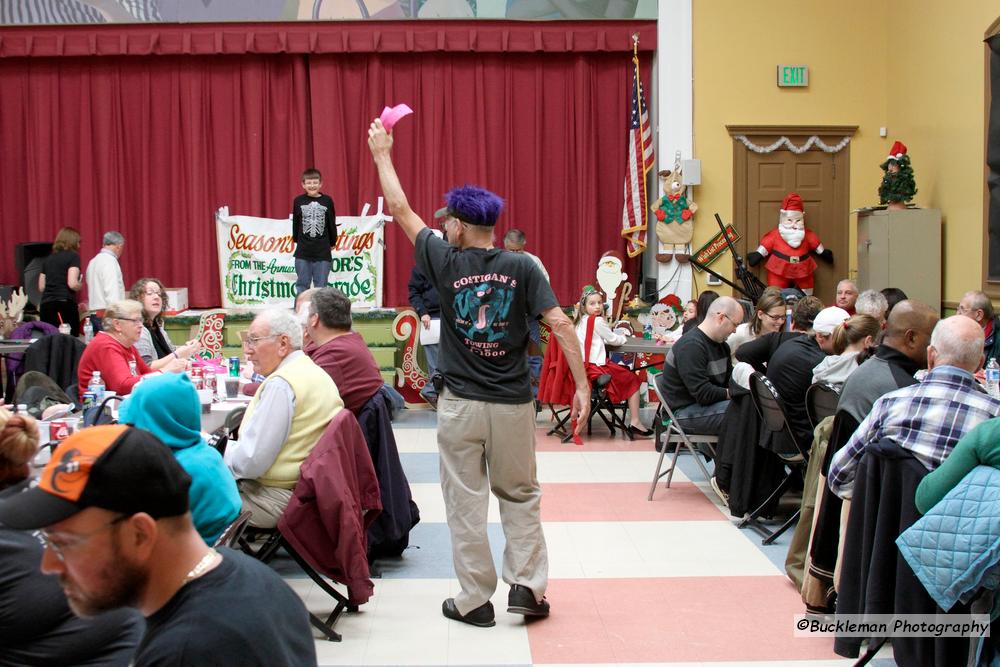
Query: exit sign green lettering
{"type": "Point", "coordinates": [793, 76]}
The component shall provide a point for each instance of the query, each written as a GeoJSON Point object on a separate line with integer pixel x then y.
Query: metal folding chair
{"type": "Point", "coordinates": [772, 413]}
{"type": "Point", "coordinates": [667, 430]}
{"type": "Point", "coordinates": [821, 402]}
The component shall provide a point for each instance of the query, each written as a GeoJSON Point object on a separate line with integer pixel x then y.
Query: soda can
{"type": "Point", "coordinates": [89, 399]}
{"type": "Point", "coordinates": [58, 430]}
{"type": "Point", "coordinates": [234, 367]}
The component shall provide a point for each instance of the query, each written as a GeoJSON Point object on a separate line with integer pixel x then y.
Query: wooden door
{"type": "Point", "coordinates": [820, 178]}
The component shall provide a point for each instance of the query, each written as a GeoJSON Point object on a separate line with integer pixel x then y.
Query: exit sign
{"type": "Point", "coordinates": [793, 76]}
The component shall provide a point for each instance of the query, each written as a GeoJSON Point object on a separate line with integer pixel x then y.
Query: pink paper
{"type": "Point", "coordinates": [391, 116]}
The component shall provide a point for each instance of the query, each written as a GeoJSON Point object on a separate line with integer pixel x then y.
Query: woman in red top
{"type": "Point", "coordinates": [113, 349]}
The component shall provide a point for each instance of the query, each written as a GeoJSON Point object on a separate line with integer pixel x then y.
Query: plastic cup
{"type": "Point", "coordinates": [232, 387]}
{"type": "Point", "coordinates": [205, 397]}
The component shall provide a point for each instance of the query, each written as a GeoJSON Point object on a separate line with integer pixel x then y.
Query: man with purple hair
{"type": "Point", "coordinates": [486, 416]}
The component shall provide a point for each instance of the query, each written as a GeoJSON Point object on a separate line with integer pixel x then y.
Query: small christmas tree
{"type": "Point", "coordinates": [898, 185]}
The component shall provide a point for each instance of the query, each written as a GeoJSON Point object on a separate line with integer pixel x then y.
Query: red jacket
{"type": "Point", "coordinates": [335, 500]}
{"type": "Point", "coordinates": [107, 355]}
{"type": "Point", "coordinates": [803, 263]}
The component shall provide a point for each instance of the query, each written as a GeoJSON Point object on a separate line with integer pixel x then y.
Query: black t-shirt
{"type": "Point", "coordinates": [485, 297]}
{"type": "Point", "coordinates": [239, 613]}
{"type": "Point", "coordinates": [314, 227]}
{"type": "Point", "coordinates": [56, 269]}
{"type": "Point", "coordinates": [37, 626]}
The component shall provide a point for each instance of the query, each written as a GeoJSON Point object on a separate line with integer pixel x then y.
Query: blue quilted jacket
{"type": "Point", "coordinates": [954, 549]}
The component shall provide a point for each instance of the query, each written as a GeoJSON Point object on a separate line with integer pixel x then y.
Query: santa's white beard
{"type": "Point", "coordinates": [792, 237]}
{"type": "Point", "coordinates": [609, 280]}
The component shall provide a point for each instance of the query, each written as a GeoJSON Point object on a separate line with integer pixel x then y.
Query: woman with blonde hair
{"type": "Point", "coordinates": [60, 280]}
{"type": "Point", "coordinates": [36, 624]}
{"type": "Point", "coordinates": [113, 353]}
{"type": "Point", "coordinates": [851, 340]}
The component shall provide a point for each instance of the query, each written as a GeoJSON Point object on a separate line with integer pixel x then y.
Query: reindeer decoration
{"type": "Point", "coordinates": [12, 312]}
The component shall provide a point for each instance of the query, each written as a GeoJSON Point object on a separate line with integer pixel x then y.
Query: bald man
{"type": "Point", "coordinates": [927, 418]}
{"type": "Point", "coordinates": [847, 295]}
{"type": "Point", "coordinates": [695, 378]}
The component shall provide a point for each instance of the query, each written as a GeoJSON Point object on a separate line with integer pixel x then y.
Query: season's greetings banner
{"type": "Point", "coordinates": [257, 263]}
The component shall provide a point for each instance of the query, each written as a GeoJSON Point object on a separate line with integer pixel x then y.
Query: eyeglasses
{"type": "Point", "coordinates": [61, 547]}
{"type": "Point", "coordinates": [133, 320]}
{"type": "Point", "coordinates": [152, 292]}
{"type": "Point", "coordinates": [774, 318]}
{"type": "Point", "coordinates": [253, 341]}
{"type": "Point", "coordinates": [735, 323]}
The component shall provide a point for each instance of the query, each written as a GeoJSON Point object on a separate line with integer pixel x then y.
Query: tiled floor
{"type": "Point", "coordinates": [671, 581]}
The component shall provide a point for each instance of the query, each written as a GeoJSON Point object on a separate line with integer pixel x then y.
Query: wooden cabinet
{"type": "Point", "coordinates": [901, 249]}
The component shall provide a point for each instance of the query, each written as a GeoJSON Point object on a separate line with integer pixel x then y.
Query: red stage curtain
{"type": "Point", "coordinates": [545, 133]}
{"type": "Point", "coordinates": [152, 145]}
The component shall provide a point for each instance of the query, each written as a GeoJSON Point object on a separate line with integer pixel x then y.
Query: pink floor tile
{"type": "Point", "coordinates": [626, 502]}
{"type": "Point", "coordinates": [672, 620]}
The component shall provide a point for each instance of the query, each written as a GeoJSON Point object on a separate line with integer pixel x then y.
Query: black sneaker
{"type": "Point", "coordinates": [481, 616]}
{"type": "Point", "coordinates": [521, 600]}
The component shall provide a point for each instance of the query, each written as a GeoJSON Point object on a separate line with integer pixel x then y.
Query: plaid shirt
{"type": "Point", "coordinates": [927, 419]}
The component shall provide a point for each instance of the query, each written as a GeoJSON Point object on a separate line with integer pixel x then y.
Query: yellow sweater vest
{"type": "Point", "coordinates": [316, 402]}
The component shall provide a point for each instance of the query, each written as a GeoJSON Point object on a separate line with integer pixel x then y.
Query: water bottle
{"type": "Point", "coordinates": [993, 378]}
{"type": "Point", "coordinates": [96, 386]}
{"type": "Point", "coordinates": [88, 331]}
{"type": "Point", "coordinates": [788, 318]}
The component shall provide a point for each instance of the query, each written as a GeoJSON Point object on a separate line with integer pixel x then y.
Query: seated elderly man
{"type": "Point", "coordinates": [847, 295]}
{"type": "Point", "coordinates": [929, 417]}
{"type": "Point", "coordinates": [695, 377]}
{"type": "Point", "coordinates": [113, 353]}
{"type": "Point", "coordinates": [977, 305]}
{"type": "Point", "coordinates": [326, 320]}
{"type": "Point", "coordinates": [285, 418]}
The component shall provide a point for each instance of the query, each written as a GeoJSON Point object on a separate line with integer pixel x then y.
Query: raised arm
{"type": "Point", "coordinates": [380, 143]}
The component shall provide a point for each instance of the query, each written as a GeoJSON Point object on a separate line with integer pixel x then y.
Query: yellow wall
{"type": "Point", "coordinates": [936, 97]}
{"type": "Point", "coordinates": [927, 89]}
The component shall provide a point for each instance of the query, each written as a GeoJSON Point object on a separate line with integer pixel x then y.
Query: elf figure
{"type": "Point", "coordinates": [898, 185]}
{"type": "Point", "coordinates": [789, 249]}
{"type": "Point", "coordinates": [674, 227]}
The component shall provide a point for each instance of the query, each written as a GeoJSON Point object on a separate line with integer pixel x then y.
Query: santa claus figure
{"type": "Point", "coordinates": [789, 249]}
{"type": "Point", "coordinates": [610, 278]}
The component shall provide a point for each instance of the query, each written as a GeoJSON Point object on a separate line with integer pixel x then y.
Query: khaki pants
{"type": "Point", "coordinates": [483, 447]}
{"type": "Point", "coordinates": [266, 503]}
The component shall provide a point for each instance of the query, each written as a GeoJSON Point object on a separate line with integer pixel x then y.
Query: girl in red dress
{"type": "Point", "coordinates": [594, 333]}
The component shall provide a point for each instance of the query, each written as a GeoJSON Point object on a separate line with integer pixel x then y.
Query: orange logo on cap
{"type": "Point", "coordinates": [67, 473]}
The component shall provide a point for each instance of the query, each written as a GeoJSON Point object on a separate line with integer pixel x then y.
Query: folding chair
{"type": "Point", "coordinates": [772, 414]}
{"type": "Point", "coordinates": [230, 537]}
{"type": "Point", "coordinates": [667, 430]}
{"type": "Point", "coordinates": [821, 402]}
{"type": "Point", "coordinates": [612, 414]}
{"type": "Point", "coordinates": [273, 541]}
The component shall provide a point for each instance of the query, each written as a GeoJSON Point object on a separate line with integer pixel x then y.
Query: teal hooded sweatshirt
{"type": "Point", "coordinates": [167, 406]}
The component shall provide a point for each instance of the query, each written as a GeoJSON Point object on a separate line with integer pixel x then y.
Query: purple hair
{"type": "Point", "coordinates": [474, 205]}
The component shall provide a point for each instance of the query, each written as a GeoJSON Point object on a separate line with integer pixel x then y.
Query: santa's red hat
{"type": "Point", "coordinates": [897, 151]}
{"type": "Point", "coordinates": [791, 206]}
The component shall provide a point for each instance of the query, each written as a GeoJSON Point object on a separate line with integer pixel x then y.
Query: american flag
{"type": "Point", "coordinates": [640, 161]}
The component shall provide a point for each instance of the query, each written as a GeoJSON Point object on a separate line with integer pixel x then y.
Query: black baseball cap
{"type": "Point", "coordinates": [117, 468]}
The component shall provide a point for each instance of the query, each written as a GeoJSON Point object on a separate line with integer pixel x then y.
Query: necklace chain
{"type": "Point", "coordinates": [207, 561]}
